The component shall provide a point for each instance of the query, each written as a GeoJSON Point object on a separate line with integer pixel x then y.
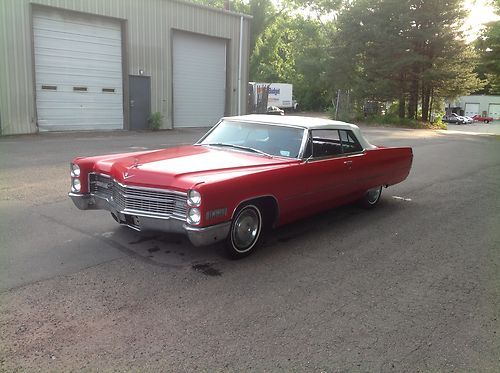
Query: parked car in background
{"type": "Point", "coordinates": [274, 110]}
{"type": "Point", "coordinates": [468, 120]}
{"type": "Point", "coordinates": [479, 118]}
{"type": "Point", "coordinates": [246, 175]}
{"type": "Point", "coordinates": [453, 118]}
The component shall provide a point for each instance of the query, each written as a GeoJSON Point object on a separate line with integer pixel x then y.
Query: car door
{"type": "Point", "coordinates": [327, 169]}
{"type": "Point", "coordinates": [333, 171]}
{"type": "Point", "coordinates": [354, 158]}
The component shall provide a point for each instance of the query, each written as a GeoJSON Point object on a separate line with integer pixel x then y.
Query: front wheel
{"type": "Point", "coordinates": [246, 231]}
{"type": "Point", "coordinates": [371, 197]}
{"type": "Point", "coordinates": [486, 121]}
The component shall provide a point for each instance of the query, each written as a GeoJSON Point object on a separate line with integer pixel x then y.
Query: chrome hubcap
{"type": "Point", "coordinates": [246, 229]}
{"type": "Point", "coordinates": [373, 195]}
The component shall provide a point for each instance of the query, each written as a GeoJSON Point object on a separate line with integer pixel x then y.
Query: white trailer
{"type": "Point", "coordinates": [279, 94]}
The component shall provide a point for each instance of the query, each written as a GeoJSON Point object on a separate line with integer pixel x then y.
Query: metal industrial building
{"type": "Point", "coordinates": [483, 105]}
{"type": "Point", "coordinates": [108, 64]}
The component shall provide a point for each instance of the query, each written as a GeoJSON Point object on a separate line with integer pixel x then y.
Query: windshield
{"type": "Point", "coordinates": [257, 138]}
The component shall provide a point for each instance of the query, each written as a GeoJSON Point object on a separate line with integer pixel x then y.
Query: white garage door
{"type": "Point", "coordinates": [199, 80]}
{"type": "Point", "coordinates": [494, 111]}
{"type": "Point", "coordinates": [471, 109]}
{"type": "Point", "coordinates": [78, 69]}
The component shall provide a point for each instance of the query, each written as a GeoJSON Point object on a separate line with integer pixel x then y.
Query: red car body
{"type": "Point", "coordinates": [291, 188]}
{"type": "Point", "coordinates": [482, 119]}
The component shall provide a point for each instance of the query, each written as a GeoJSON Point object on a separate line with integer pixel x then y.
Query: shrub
{"type": "Point", "coordinates": [155, 121]}
{"type": "Point", "coordinates": [345, 117]}
{"type": "Point", "coordinates": [391, 118]}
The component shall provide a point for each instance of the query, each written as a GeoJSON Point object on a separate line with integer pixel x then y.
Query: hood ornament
{"type": "Point", "coordinates": [136, 163]}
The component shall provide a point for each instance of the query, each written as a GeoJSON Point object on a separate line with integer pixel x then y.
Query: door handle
{"type": "Point", "coordinates": [132, 102]}
{"type": "Point", "coordinates": [348, 163]}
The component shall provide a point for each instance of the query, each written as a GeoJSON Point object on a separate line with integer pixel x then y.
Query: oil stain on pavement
{"type": "Point", "coordinates": [207, 269]}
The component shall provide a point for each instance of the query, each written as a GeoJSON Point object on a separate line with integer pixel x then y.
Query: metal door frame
{"type": "Point", "coordinates": [148, 77]}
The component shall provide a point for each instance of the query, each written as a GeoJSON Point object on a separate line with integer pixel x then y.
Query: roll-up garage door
{"type": "Point", "coordinates": [494, 111]}
{"type": "Point", "coordinates": [471, 109]}
{"type": "Point", "coordinates": [199, 80]}
{"type": "Point", "coordinates": [78, 69]}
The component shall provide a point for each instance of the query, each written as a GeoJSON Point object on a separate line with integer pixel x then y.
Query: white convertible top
{"type": "Point", "coordinates": [308, 123]}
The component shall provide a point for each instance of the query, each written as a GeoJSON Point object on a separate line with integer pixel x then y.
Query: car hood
{"type": "Point", "coordinates": [183, 167]}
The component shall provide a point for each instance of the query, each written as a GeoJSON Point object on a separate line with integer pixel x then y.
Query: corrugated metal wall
{"type": "Point", "coordinates": [148, 38]}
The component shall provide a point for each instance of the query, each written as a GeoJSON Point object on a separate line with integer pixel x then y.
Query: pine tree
{"type": "Point", "coordinates": [406, 50]}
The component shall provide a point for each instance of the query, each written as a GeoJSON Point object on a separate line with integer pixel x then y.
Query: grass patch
{"type": "Point", "coordinates": [391, 120]}
{"type": "Point", "coordinates": [395, 121]}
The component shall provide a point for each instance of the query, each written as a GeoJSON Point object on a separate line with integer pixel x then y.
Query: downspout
{"type": "Point", "coordinates": [240, 58]}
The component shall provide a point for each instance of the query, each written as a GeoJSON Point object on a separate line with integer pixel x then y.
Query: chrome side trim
{"type": "Point", "coordinates": [257, 197]}
{"type": "Point", "coordinates": [335, 156]}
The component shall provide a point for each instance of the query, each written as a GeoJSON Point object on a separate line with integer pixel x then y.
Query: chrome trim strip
{"type": "Point", "coordinates": [335, 156]}
{"type": "Point", "coordinates": [139, 187]}
{"type": "Point", "coordinates": [152, 215]}
{"type": "Point", "coordinates": [257, 197]}
{"type": "Point", "coordinates": [303, 145]}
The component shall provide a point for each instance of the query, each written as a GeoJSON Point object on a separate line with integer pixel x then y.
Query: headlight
{"type": "Point", "coordinates": [75, 170]}
{"type": "Point", "coordinates": [76, 186]}
{"type": "Point", "coordinates": [194, 216]}
{"type": "Point", "coordinates": [194, 198]}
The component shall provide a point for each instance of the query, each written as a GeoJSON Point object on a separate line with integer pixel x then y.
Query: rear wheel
{"type": "Point", "coordinates": [246, 231]}
{"type": "Point", "coordinates": [371, 197]}
{"type": "Point", "coordinates": [486, 121]}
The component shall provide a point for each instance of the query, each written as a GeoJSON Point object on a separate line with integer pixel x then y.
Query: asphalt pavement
{"type": "Point", "coordinates": [476, 128]}
{"type": "Point", "coordinates": [413, 285]}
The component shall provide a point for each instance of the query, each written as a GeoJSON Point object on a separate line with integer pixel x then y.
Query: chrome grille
{"type": "Point", "coordinates": [138, 200]}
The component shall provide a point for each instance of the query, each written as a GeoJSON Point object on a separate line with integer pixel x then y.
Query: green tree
{"type": "Point", "coordinates": [272, 59]}
{"type": "Point", "coordinates": [488, 49]}
{"type": "Point", "coordinates": [293, 50]}
{"type": "Point", "coordinates": [311, 86]}
{"type": "Point", "coordinates": [287, 47]}
{"type": "Point", "coordinates": [405, 50]}
{"type": "Point", "coordinates": [263, 13]}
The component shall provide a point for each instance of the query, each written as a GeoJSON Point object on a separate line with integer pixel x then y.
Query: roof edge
{"type": "Point", "coordinates": [218, 10]}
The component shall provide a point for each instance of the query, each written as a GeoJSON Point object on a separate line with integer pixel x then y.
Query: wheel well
{"type": "Point", "coordinates": [270, 209]}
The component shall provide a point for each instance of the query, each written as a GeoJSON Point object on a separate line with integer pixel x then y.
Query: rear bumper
{"type": "Point", "coordinates": [199, 236]}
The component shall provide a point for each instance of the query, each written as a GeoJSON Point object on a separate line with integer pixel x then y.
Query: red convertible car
{"type": "Point", "coordinates": [247, 174]}
{"type": "Point", "coordinates": [479, 118]}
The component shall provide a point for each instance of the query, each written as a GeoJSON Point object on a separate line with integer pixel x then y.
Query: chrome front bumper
{"type": "Point", "coordinates": [199, 236]}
